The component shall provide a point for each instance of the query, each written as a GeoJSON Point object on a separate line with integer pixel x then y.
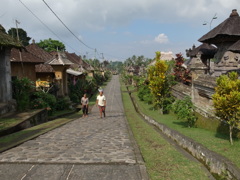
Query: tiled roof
{"type": "Point", "coordinates": [87, 66]}
{"type": "Point", "coordinates": [74, 58]}
{"type": "Point", "coordinates": [25, 56]}
{"type": "Point", "coordinates": [78, 60]}
{"type": "Point", "coordinates": [60, 58]}
{"type": "Point", "coordinates": [39, 52]}
{"type": "Point", "coordinates": [44, 68]}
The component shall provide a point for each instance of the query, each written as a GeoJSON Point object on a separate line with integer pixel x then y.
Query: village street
{"type": "Point", "coordinates": [87, 148]}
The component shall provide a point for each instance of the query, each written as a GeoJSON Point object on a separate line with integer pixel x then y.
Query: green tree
{"type": "Point", "coordinates": [226, 100]}
{"type": "Point", "coordinates": [24, 39]}
{"type": "Point", "coordinates": [96, 63]}
{"type": "Point", "coordinates": [50, 45]}
{"type": "Point", "coordinates": [185, 110]}
{"type": "Point", "coordinates": [157, 81]}
{"type": "Point", "coordinates": [22, 90]}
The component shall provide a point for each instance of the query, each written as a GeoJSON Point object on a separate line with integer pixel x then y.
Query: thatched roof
{"type": "Point", "coordinates": [6, 40]}
{"type": "Point", "coordinates": [203, 49]}
{"type": "Point", "coordinates": [235, 47]}
{"type": "Point", "coordinates": [228, 30]}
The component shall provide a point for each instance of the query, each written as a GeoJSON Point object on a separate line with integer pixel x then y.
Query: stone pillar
{"type": "Point", "coordinates": [5, 75]}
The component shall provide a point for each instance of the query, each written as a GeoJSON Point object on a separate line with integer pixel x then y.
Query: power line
{"type": "Point", "coordinates": [67, 27]}
{"type": "Point", "coordinates": [68, 30]}
{"type": "Point", "coordinates": [45, 25]}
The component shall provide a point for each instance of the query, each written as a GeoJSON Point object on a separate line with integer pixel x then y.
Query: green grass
{"type": "Point", "coordinates": [210, 139]}
{"type": "Point", "coordinates": [17, 138]}
{"type": "Point", "coordinates": [61, 113]}
{"type": "Point", "coordinates": [6, 123]}
{"type": "Point", "coordinates": [9, 122]}
{"type": "Point", "coordinates": [162, 160]}
{"type": "Point", "coordinates": [13, 120]}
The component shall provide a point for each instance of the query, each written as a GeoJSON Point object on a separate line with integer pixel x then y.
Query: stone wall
{"type": "Point", "coordinates": [30, 119]}
{"type": "Point", "coordinates": [200, 91]}
{"type": "Point", "coordinates": [8, 107]}
{"type": "Point", "coordinates": [181, 90]}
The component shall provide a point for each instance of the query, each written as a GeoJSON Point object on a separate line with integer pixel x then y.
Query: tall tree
{"type": "Point", "coordinates": [157, 81]}
{"type": "Point", "coordinates": [51, 45]}
{"type": "Point", "coordinates": [182, 74]}
{"type": "Point", "coordinates": [24, 39]}
{"type": "Point", "coordinates": [226, 100]}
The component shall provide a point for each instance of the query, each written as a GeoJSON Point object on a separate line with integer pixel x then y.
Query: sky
{"type": "Point", "coordinates": [117, 29]}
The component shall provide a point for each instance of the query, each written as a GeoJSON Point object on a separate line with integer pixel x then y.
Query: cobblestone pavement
{"type": "Point", "coordinates": [79, 148]}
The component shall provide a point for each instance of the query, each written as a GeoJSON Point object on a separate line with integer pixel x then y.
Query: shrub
{"type": "Point", "coordinates": [82, 86]}
{"type": "Point", "coordinates": [99, 78]}
{"type": "Point", "coordinates": [22, 89]}
{"type": "Point", "coordinates": [62, 104]}
{"type": "Point", "coordinates": [185, 111]}
{"type": "Point", "coordinates": [44, 100]}
{"type": "Point", "coordinates": [144, 94]}
{"type": "Point", "coordinates": [107, 75]}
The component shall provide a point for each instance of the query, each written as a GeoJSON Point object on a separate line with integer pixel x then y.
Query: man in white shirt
{"type": "Point", "coordinates": [101, 103]}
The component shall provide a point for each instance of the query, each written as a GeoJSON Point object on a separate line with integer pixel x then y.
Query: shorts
{"type": "Point", "coordinates": [101, 108]}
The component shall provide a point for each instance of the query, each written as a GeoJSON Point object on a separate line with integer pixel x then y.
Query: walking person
{"type": "Point", "coordinates": [84, 102]}
{"type": "Point", "coordinates": [101, 103]}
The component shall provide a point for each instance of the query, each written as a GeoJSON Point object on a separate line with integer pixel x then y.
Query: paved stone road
{"type": "Point", "coordinates": [87, 148]}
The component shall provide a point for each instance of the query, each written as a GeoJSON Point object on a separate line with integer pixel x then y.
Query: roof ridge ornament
{"type": "Point", "coordinates": [234, 13]}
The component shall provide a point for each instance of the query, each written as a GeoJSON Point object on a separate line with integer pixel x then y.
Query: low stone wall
{"type": "Point", "coordinates": [7, 107]}
{"type": "Point", "coordinates": [218, 165]}
{"type": "Point", "coordinates": [201, 93]}
{"type": "Point", "coordinates": [31, 119]}
{"type": "Point", "coordinates": [180, 91]}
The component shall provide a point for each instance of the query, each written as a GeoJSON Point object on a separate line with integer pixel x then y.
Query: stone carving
{"type": "Point", "coordinates": [229, 59]}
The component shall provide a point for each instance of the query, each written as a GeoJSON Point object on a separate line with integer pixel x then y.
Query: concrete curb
{"type": "Point", "coordinates": [137, 152]}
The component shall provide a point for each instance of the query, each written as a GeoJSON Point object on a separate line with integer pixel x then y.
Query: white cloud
{"type": "Point", "coordinates": [90, 17]}
{"type": "Point", "coordinates": [161, 38]}
{"type": "Point", "coordinates": [96, 15]}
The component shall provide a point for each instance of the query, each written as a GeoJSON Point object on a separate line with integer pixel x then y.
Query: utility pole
{"type": "Point", "coordinates": [102, 56]}
{"type": "Point", "coordinates": [20, 53]}
{"type": "Point", "coordinates": [95, 52]}
{"type": "Point", "coordinates": [17, 22]}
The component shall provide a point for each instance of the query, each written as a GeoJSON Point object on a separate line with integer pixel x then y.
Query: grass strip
{"type": "Point", "coordinates": [162, 160]}
{"type": "Point", "coordinates": [65, 112]}
{"type": "Point", "coordinates": [15, 119]}
{"type": "Point", "coordinates": [212, 140]}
